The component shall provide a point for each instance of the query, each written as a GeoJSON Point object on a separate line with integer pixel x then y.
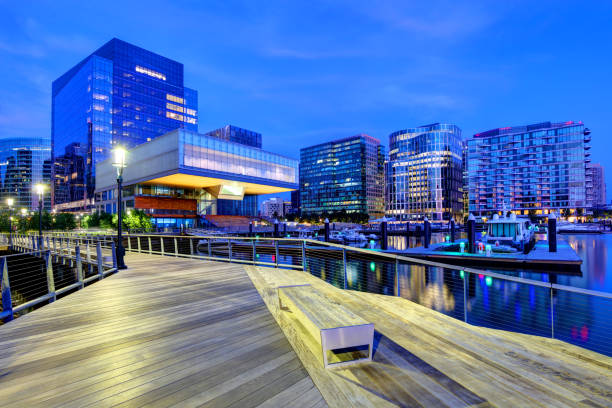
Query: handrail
{"type": "Point", "coordinates": [377, 253]}
{"type": "Point", "coordinates": [307, 255]}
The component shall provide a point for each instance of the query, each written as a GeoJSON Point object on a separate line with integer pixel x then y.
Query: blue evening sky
{"type": "Point", "coordinates": [305, 72]}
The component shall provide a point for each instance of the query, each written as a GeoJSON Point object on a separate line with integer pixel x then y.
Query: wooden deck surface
{"type": "Point", "coordinates": [166, 332]}
{"type": "Point", "coordinates": [426, 359]}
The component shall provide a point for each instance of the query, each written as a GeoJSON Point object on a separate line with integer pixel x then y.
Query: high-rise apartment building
{"type": "Point", "coordinates": [345, 174]}
{"type": "Point", "coordinates": [596, 190]}
{"type": "Point", "coordinates": [424, 175]}
{"type": "Point", "coordinates": [24, 162]}
{"type": "Point", "coordinates": [119, 95]}
{"type": "Point", "coordinates": [535, 168]}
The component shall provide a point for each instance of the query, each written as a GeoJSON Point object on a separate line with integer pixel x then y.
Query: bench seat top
{"type": "Point", "coordinates": [320, 310]}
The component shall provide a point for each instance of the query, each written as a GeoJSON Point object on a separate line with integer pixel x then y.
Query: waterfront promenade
{"type": "Point", "coordinates": [187, 332]}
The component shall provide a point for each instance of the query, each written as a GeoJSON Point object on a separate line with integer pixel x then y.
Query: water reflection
{"type": "Point", "coordinates": [490, 302]}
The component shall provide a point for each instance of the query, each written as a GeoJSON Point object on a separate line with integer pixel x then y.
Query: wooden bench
{"type": "Point", "coordinates": [333, 326]}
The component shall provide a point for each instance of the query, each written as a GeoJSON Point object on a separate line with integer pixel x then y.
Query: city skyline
{"type": "Point", "coordinates": [480, 67]}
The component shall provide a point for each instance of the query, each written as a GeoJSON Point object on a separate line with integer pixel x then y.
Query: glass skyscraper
{"type": "Point", "coordinates": [119, 95]}
{"type": "Point", "coordinates": [345, 174]}
{"type": "Point", "coordinates": [24, 162]}
{"type": "Point", "coordinates": [534, 168]}
{"type": "Point", "coordinates": [424, 175]}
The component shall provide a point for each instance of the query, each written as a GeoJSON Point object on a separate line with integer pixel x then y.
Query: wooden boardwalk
{"type": "Point", "coordinates": [166, 332]}
{"type": "Point", "coordinates": [423, 358]}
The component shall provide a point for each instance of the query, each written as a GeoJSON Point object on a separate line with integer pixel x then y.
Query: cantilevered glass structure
{"type": "Point", "coordinates": [24, 162]}
{"type": "Point", "coordinates": [343, 175]}
{"type": "Point", "coordinates": [424, 173]}
{"type": "Point", "coordinates": [529, 169]}
{"type": "Point", "coordinates": [119, 95]}
{"type": "Point", "coordinates": [194, 175]}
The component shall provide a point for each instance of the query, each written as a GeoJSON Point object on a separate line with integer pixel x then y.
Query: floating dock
{"type": "Point", "coordinates": [565, 260]}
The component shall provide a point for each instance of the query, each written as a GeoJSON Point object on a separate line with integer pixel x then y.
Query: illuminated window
{"type": "Point", "coordinates": [190, 120]}
{"type": "Point", "coordinates": [175, 99]}
{"type": "Point", "coordinates": [174, 116]}
{"type": "Point", "coordinates": [150, 72]}
{"type": "Point", "coordinates": [190, 112]}
{"type": "Point", "coordinates": [174, 107]}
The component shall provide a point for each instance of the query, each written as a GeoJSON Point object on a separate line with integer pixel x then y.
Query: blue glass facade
{"type": "Point", "coordinates": [119, 95]}
{"type": "Point", "coordinates": [24, 162]}
{"type": "Point", "coordinates": [424, 174]}
{"type": "Point", "coordinates": [535, 168]}
{"type": "Point", "coordinates": [345, 174]}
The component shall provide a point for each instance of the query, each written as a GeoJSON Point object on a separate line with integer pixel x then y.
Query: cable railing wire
{"type": "Point", "coordinates": [475, 296]}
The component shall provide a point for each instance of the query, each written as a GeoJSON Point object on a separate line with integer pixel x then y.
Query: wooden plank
{"type": "Point", "coordinates": [166, 329]}
{"type": "Point", "coordinates": [424, 358]}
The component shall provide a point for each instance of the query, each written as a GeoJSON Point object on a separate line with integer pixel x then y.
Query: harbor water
{"type": "Point", "coordinates": [577, 318]}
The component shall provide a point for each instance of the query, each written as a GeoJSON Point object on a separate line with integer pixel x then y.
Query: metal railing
{"type": "Point", "coordinates": [43, 269]}
{"type": "Point", "coordinates": [478, 297]}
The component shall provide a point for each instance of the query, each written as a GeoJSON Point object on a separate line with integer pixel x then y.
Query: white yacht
{"type": "Point", "coordinates": [509, 231]}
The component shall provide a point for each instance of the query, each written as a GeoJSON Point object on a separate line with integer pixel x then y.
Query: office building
{"type": "Point", "coordinates": [345, 174]}
{"type": "Point", "coordinates": [119, 95]}
{"type": "Point", "coordinates": [424, 175]}
{"type": "Point", "coordinates": [295, 202]}
{"type": "Point", "coordinates": [596, 191]}
{"type": "Point", "coordinates": [529, 169]}
{"type": "Point", "coordinates": [273, 208]}
{"type": "Point", "coordinates": [195, 177]}
{"type": "Point", "coordinates": [25, 162]}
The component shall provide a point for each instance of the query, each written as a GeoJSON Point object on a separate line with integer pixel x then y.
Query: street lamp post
{"type": "Point", "coordinates": [40, 189]}
{"type": "Point", "coordinates": [119, 164]}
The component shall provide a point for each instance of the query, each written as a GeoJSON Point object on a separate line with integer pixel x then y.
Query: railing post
{"type": "Point", "coordinates": [161, 243]}
{"type": "Point", "coordinates": [175, 247]}
{"type": "Point", "coordinates": [50, 280]}
{"type": "Point", "coordinates": [190, 246]}
{"type": "Point", "coordinates": [79, 266]}
{"type": "Point", "coordinates": [99, 260]}
{"type": "Point", "coordinates": [344, 264]}
{"type": "Point", "coordinates": [552, 314]}
{"type": "Point", "coordinates": [229, 249]}
{"type": "Point", "coordinates": [5, 286]}
{"type": "Point", "coordinates": [150, 249]}
{"type": "Point", "coordinates": [276, 252]}
{"type": "Point", "coordinates": [466, 276]}
{"type": "Point", "coordinates": [114, 254]}
{"type": "Point", "coordinates": [89, 266]}
{"type": "Point", "coordinates": [397, 279]}
{"type": "Point", "coordinates": [209, 249]}
{"type": "Point", "coordinates": [304, 255]}
{"type": "Point", "coordinates": [129, 239]}
{"type": "Point", "coordinates": [254, 252]}
{"type": "Point", "coordinates": [138, 243]}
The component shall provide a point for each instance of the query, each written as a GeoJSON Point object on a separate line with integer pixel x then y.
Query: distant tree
{"type": "Point", "coordinates": [64, 221]}
{"type": "Point", "coordinates": [580, 212]}
{"type": "Point", "coordinates": [106, 221]}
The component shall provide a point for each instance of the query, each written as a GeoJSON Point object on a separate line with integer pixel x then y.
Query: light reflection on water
{"type": "Point", "coordinates": [497, 303]}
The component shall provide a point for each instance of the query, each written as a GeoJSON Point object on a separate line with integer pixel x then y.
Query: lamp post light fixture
{"type": "Point", "coordinates": [40, 190]}
{"type": "Point", "coordinates": [119, 163]}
